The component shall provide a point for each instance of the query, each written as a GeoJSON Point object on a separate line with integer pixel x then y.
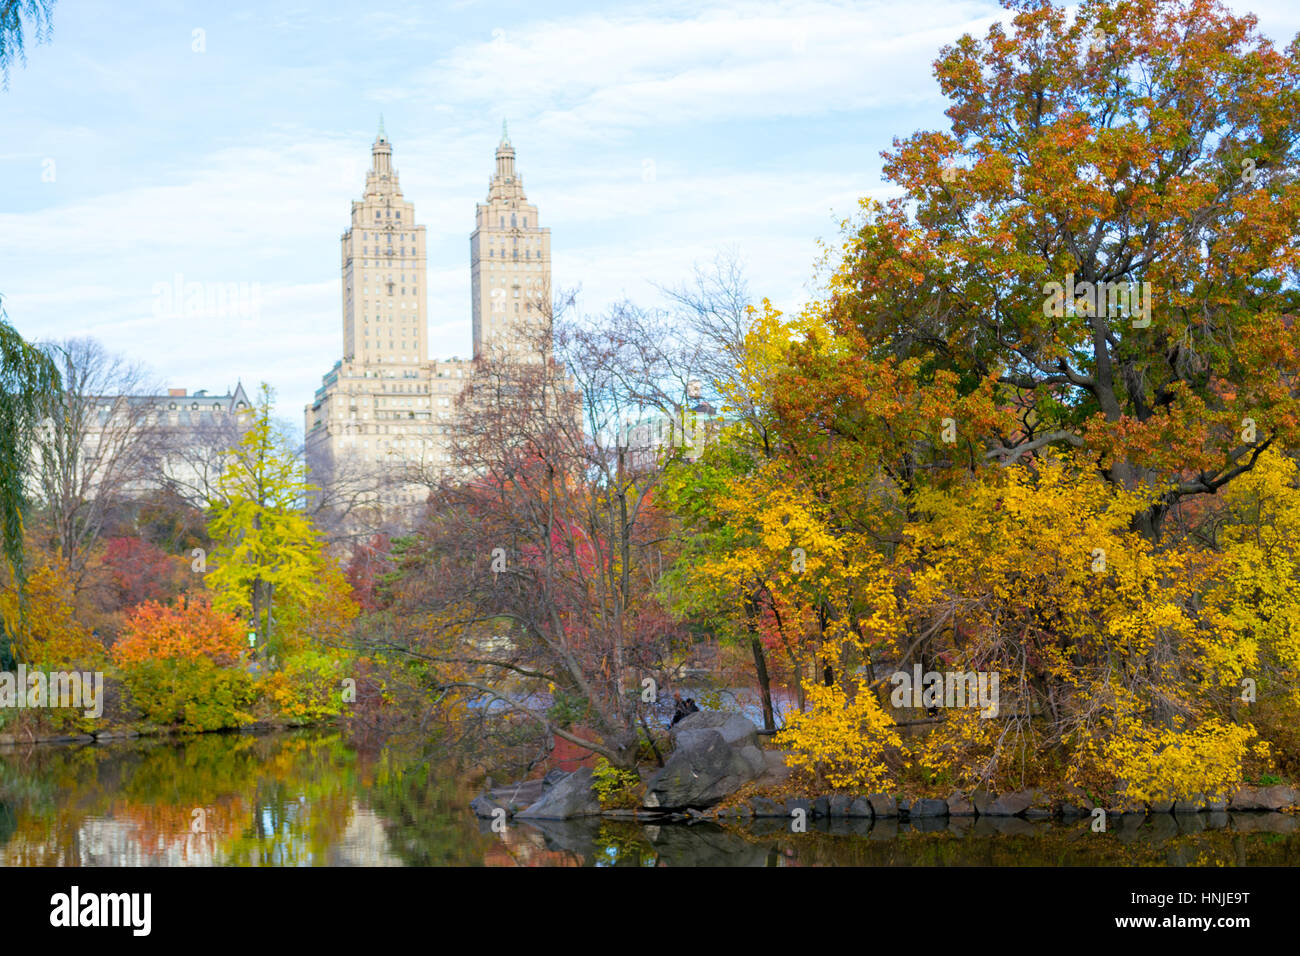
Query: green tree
{"type": "Point", "coordinates": [266, 550]}
{"type": "Point", "coordinates": [28, 382]}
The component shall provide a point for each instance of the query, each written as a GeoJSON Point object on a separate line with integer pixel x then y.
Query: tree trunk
{"type": "Point", "coordinates": [764, 682]}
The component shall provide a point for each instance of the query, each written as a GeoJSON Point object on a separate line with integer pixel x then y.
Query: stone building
{"type": "Point", "coordinates": [382, 421]}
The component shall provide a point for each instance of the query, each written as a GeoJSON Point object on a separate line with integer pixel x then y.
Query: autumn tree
{"type": "Point", "coordinates": [267, 555]}
{"type": "Point", "coordinates": [534, 576]}
{"type": "Point", "coordinates": [1106, 232]}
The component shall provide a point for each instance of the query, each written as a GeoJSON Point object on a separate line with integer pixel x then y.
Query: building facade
{"type": "Point", "coordinates": [383, 419]}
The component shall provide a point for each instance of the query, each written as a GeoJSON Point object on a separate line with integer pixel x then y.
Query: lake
{"type": "Point", "coordinates": [308, 799]}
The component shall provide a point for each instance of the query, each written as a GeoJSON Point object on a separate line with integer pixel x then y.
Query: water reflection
{"type": "Point", "coordinates": [307, 799]}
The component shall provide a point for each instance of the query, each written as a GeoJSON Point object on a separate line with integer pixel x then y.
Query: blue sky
{"type": "Point", "coordinates": [652, 136]}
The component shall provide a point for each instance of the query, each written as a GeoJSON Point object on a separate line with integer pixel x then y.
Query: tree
{"type": "Point", "coordinates": [1107, 234]}
{"type": "Point", "coordinates": [534, 575]}
{"type": "Point", "coordinates": [11, 29]}
{"type": "Point", "coordinates": [28, 382]}
{"type": "Point", "coordinates": [99, 450]}
{"type": "Point", "coordinates": [266, 549]}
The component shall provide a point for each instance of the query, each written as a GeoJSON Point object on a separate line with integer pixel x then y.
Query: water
{"type": "Point", "coordinates": [308, 799]}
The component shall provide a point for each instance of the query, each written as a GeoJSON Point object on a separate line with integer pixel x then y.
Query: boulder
{"type": "Point", "coordinates": [1078, 798]}
{"type": "Point", "coordinates": [484, 806]}
{"type": "Point", "coordinates": [569, 798]}
{"type": "Point", "coordinates": [776, 771]}
{"type": "Point", "coordinates": [838, 805]}
{"type": "Point", "coordinates": [1262, 798]}
{"type": "Point", "coordinates": [799, 803]}
{"type": "Point", "coordinates": [735, 729]}
{"type": "Point", "coordinates": [1193, 804]}
{"type": "Point", "coordinates": [1160, 806]}
{"type": "Point", "coordinates": [859, 807]}
{"type": "Point", "coordinates": [959, 805]}
{"type": "Point", "coordinates": [883, 805]}
{"type": "Point", "coordinates": [929, 808]}
{"type": "Point", "coordinates": [554, 777]}
{"type": "Point", "coordinates": [1011, 804]}
{"type": "Point", "coordinates": [821, 808]}
{"type": "Point", "coordinates": [764, 807]}
{"type": "Point", "coordinates": [518, 796]}
{"type": "Point", "coordinates": [716, 755]}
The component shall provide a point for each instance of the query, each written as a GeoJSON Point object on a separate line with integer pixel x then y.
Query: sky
{"type": "Point", "coordinates": [154, 143]}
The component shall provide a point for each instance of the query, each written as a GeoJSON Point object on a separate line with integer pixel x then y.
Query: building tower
{"type": "Point", "coordinates": [510, 264]}
{"type": "Point", "coordinates": [384, 321]}
{"type": "Point", "coordinates": [380, 427]}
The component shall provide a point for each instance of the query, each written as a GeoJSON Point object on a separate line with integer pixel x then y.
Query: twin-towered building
{"type": "Point", "coordinates": [385, 412]}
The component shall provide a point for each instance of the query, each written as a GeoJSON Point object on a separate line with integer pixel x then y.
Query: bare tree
{"type": "Point", "coordinates": [533, 579]}
{"type": "Point", "coordinates": [97, 447]}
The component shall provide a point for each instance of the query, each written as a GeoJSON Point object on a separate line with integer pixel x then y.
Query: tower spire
{"type": "Point", "coordinates": [505, 134]}
{"type": "Point", "coordinates": [382, 134]}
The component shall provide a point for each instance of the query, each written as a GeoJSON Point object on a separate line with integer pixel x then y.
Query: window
{"type": "Point", "coordinates": [376, 213]}
{"type": "Point", "coordinates": [512, 221]}
{"type": "Point", "coordinates": [399, 214]}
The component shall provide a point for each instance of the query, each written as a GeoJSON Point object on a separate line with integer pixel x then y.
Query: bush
{"type": "Point", "coordinates": [308, 687]}
{"type": "Point", "coordinates": [194, 694]}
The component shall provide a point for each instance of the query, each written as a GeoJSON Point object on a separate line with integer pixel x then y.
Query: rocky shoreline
{"type": "Point", "coordinates": [717, 754]}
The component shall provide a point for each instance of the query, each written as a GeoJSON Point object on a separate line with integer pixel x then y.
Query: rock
{"type": "Point", "coordinates": [117, 734]}
{"type": "Point", "coordinates": [776, 772]}
{"type": "Point", "coordinates": [554, 777]}
{"type": "Point", "coordinates": [716, 755]}
{"type": "Point", "coordinates": [1011, 804]}
{"type": "Point", "coordinates": [859, 807]}
{"type": "Point", "coordinates": [883, 805]}
{"type": "Point", "coordinates": [904, 806]}
{"type": "Point", "coordinates": [1071, 811]}
{"type": "Point", "coordinates": [1160, 806]}
{"type": "Point", "coordinates": [982, 800]}
{"type": "Point", "coordinates": [1038, 813]}
{"type": "Point", "coordinates": [1262, 798]}
{"type": "Point", "coordinates": [959, 805]}
{"type": "Point", "coordinates": [1216, 804]}
{"type": "Point", "coordinates": [838, 805]}
{"type": "Point", "coordinates": [737, 730]}
{"type": "Point", "coordinates": [484, 806]}
{"type": "Point", "coordinates": [571, 797]}
{"type": "Point", "coordinates": [738, 812]}
{"type": "Point", "coordinates": [1194, 804]}
{"type": "Point", "coordinates": [764, 807]}
{"type": "Point", "coordinates": [929, 808]}
{"type": "Point", "coordinates": [821, 807]}
{"type": "Point", "coordinates": [518, 796]}
{"type": "Point", "coordinates": [1078, 797]}
{"type": "Point", "coordinates": [799, 803]}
